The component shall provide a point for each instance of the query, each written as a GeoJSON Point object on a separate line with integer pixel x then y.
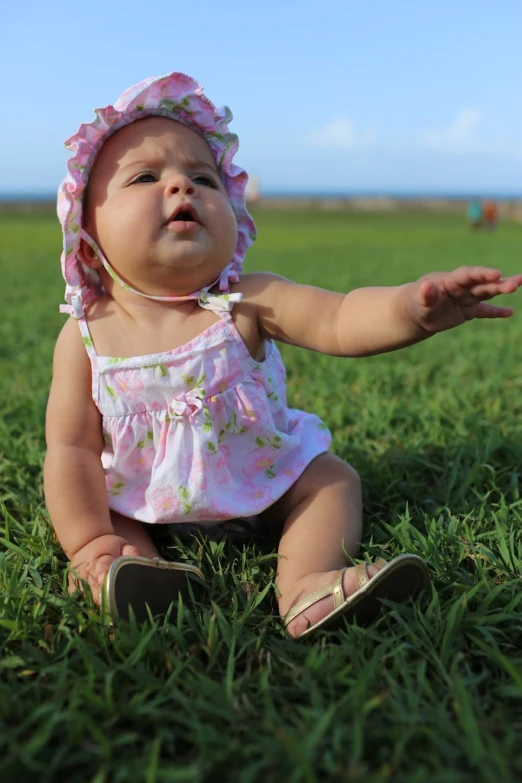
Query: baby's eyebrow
{"type": "Point", "coordinates": [146, 162]}
{"type": "Point", "coordinates": [193, 163]}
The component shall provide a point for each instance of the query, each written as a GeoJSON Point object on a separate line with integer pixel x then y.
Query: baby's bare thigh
{"type": "Point", "coordinates": [325, 471]}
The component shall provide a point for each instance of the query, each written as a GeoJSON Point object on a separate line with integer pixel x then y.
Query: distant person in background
{"type": "Point", "coordinates": [474, 214]}
{"type": "Point", "coordinates": [490, 212]}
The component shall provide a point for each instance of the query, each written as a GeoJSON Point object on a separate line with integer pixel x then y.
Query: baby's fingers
{"type": "Point", "coordinates": [103, 564]}
{"type": "Point", "coordinates": [128, 549]}
{"type": "Point", "coordinates": [74, 581]}
{"type": "Point", "coordinates": [492, 311]}
{"type": "Point", "coordinates": [504, 286]}
{"type": "Point", "coordinates": [469, 276]}
{"type": "Point", "coordinates": [80, 580]}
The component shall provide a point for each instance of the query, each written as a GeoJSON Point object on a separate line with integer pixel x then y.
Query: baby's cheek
{"type": "Point", "coordinates": [226, 224]}
{"type": "Point", "coordinates": [233, 229]}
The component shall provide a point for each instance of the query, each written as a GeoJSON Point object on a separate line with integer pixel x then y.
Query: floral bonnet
{"type": "Point", "coordinates": [179, 98]}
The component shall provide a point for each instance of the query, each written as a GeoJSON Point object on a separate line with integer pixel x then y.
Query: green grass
{"type": "Point", "coordinates": [431, 692]}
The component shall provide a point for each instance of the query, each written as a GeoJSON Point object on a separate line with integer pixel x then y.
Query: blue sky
{"type": "Point", "coordinates": [330, 95]}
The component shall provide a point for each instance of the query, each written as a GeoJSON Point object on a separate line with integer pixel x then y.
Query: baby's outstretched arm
{"type": "Point", "coordinates": [73, 474]}
{"type": "Point", "coordinates": [369, 321]}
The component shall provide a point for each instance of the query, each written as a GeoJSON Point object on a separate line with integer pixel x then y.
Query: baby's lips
{"type": "Point", "coordinates": [185, 207]}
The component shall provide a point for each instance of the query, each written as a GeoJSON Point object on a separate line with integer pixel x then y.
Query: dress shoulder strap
{"type": "Point", "coordinates": [86, 337]}
{"type": "Point", "coordinates": [77, 311]}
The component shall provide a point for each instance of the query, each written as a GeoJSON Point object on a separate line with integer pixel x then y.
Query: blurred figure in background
{"type": "Point", "coordinates": [253, 191]}
{"type": "Point", "coordinates": [474, 214]}
{"type": "Point", "coordinates": [490, 212]}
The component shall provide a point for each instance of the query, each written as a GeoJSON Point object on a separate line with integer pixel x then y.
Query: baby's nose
{"type": "Point", "coordinates": [181, 184]}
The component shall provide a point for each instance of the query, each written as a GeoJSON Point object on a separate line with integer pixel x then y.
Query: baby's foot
{"type": "Point", "coordinates": [324, 606]}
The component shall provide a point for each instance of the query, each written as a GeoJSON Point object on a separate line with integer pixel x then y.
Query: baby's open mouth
{"type": "Point", "coordinates": [184, 214]}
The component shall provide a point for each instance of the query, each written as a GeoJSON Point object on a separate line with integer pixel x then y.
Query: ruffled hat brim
{"type": "Point", "coordinates": [178, 97]}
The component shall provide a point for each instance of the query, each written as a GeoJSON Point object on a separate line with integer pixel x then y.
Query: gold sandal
{"type": "Point", "coordinates": [396, 580]}
{"type": "Point", "coordinates": [144, 584]}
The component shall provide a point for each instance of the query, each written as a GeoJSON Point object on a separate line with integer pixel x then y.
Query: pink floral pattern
{"type": "Point", "coordinates": [233, 454]}
{"type": "Point", "coordinates": [164, 502]}
{"type": "Point", "coordinates": [129, 384]}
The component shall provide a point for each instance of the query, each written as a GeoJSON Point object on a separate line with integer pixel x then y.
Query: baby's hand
{"type": "Point", "coordinates": [443, 300]}
{"type": "Point", "coordinates": [92, 562]}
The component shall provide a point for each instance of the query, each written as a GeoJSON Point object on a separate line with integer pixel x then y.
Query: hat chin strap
{"type": "Point", "coordinates": [202, 295]}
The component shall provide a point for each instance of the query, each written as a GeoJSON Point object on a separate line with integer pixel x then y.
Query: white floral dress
{"type": "Point", "coordinates": [200, 433]}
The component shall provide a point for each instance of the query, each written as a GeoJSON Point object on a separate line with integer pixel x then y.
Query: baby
{"type": "Point", "coordinates": [168, 400]}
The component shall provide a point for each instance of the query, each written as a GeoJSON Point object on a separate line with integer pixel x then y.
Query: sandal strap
{"type": "Point", "coordinates": [335, 589]}
{"type": "Point", "coordinates": [361, 571]}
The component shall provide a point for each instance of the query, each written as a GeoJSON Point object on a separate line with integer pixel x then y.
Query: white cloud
{"type": "Point", "coordinates": [341, 134]}
{"type": "Point", "coordinates": [472, 133]}
{"type": "Point", "coordinates": [461, 135]}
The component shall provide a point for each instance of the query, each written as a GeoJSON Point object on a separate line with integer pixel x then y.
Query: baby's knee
{"type": "Point", "coordinates": [348, 474]}
{"type": "Point", "coordinates": [326, 473]}
{"type": "Point", "coordinates": [328, 469]}
{"type": "Point", "coordinates": [336, 467]}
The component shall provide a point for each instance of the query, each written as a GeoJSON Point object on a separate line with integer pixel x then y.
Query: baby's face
{"type": "Point", "coordinates": [158, 209]}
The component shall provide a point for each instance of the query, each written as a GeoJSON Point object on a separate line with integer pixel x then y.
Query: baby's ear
{"type": "Point", "coordinates": [88, 255]}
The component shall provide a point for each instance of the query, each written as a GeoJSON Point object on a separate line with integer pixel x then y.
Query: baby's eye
{"type": "Point", "coordinates": [147, 176]}
{"type": "Point", "coordinates": [204, 179]}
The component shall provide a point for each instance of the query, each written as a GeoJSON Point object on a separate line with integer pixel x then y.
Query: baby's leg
{"type": "Point", "coordinates": [134, 532]}
{"type": "Point", "coordinates": [323, 513]}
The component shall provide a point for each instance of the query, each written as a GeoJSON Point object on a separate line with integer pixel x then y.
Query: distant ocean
{"type": "Point", "coordinates": [395, 194]}
{"type": "Point", "coordinates": [421, 194]}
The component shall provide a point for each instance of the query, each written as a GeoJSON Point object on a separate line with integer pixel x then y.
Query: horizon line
{"type": "Point", "coordinates": [505, 195]}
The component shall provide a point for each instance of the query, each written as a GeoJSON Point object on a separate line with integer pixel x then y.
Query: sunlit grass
{"type": "Point", "coordinates": [431, 692]}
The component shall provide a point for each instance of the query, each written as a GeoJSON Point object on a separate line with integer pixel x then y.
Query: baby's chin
{"type": "Point", "coordinates": [186, 281]}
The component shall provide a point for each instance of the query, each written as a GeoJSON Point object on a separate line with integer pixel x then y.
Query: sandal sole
{"type": "Point", "coordinates": [142, 585]}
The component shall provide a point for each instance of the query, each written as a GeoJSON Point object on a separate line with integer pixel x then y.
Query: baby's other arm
{"type": "Point", "coordinates": [73, 474]}
{"type": "Point", "coordinates": [368, 321]}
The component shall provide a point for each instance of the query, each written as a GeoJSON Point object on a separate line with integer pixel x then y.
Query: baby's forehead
{"type": "Point", "coordinates": [151, 137]}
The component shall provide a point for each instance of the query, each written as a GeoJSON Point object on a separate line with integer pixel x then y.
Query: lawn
{"type": "Point", "coordinates": [431, 692]}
